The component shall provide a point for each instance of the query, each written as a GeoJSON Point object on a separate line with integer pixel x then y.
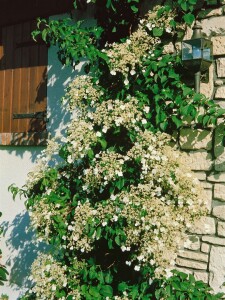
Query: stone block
{"type": "Point", "coordinates": [187, 271]}
{"type": "Point", "coordinates": [220, 92]}
{"type": "Point", "coordinates": [207, 88]}
{"type": "Point", "coordinates": [221, 103]}
{"type": "Point", "coordinates": [220, 162]}
{"type": "Point", "coordinates": [218, 142]}
{"type": "Point", "coordinates": [195, 139]}
{"type": "Point", "coordinates": [200, 160]}
{"type": "Point", "coordinates": [215, 27]}
{"type": "Point", "coordinates": [221, 229]}
{"type": "Point", "coordinates": [206, 185]}
{"type": "Point", "coordinates": [217, 268]}
{"type": "Point", "coordinates": [214, 240]}
{"type": "Point", "coordinates": [199, 256]}
{"type": "Point", "coordinates": [205, 225]}
{"type": "Point", "coordinates": [218, 45]}
{"type": "Point", "coordinates": [192, 243]}
{"type": "Point", "coordinates": [219, 212]}
{"type": "Point", "coordinates": [216, 177]}
{"type": "Point", "coordinates": [207, 13]}
{"type": "Point", "coordinates": [220, 68]}
{"type": "Point", "coordinates": [193, 264]}
{"type": "Point", "coordinates": [200, 175]}
{"type": "Point", "coordinates": [208, 199]}
{"type": "Point", "coordinates": [205, 248]}
{"type": "Point", "coordinates": [219, 191]}
{"type": "Point", "coordinates": [218, 82]}
{"type": "Point", "coordinates": [201, 275]}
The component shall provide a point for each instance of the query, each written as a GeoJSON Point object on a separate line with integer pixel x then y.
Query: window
{"type": "Point", "coordinates": [23, 86]}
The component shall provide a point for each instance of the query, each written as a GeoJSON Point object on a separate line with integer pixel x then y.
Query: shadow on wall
{"type": "Point", "coordinates": [22, 241]}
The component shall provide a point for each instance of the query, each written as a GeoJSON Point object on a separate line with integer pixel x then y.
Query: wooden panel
{"type": "Point", "coordinates": [15, 11]}
{"type": "Point", "coordinates": [23, 86]}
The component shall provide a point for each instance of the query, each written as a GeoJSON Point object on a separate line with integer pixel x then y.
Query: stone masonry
{"type": "Point", "coordinates": [204, 252]}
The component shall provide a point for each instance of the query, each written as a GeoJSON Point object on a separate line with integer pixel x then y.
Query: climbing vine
{"type": "Point", "coordinates": [114, 197]}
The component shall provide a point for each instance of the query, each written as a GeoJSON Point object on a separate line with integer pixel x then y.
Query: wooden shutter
{"type": "Point", "coordinates": [23, 86]}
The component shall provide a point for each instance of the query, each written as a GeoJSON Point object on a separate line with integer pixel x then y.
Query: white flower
{"type": "Point", "coordinates": [137, 268]}
{"type": "Point", "coordinates": [98, 133]}
{"type": "Point", "coordinates": [146, 109]}
{"type": "Point", "coordinates": [144, 121]}
{"type": "Point", "coordinates": [128, 263]}
{"type": "Point", "coordinates": [69, 159]}
{"type": "Point", "coordinates": [126, 81]}
{"type": "Point", "coordinates": [132, 72]}
{"type": "Point", "coordinates": [168, 29]}
{"type": "Point", "coordinates": [113, 72]}
{"type": "Point", "coordinates": [104, 224]}
{"type": "Point", "coordinates": [54, 287]}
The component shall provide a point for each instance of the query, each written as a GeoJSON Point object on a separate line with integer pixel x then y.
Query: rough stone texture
{"type": "Point", "coordinates": [220, 67]}
{"type": "Point", "coordinates": [214, 240]}
{"type": "Point", "coordinates": [217, 177]}
{"type": "Point", "coordinates": [193, 255]}
{"type": "Point", "coordinates": [205, 248]}
{"type": "Point", "coordinates": [220, 162]}
{"type": "Point", "coordinates": [169, 48]}
{"type": "Point", "coordinates": [218, 141]}
{"type": "Point", "coordinates": [192, 243]}
{"type": "Point", "coordinates": [218, 82]}
{"type": "Point", "coordinates": [221, 229]}
{"type": "Point", "coordinates": [219, 191]}
{"type": "Point", "coordinates": [193, 264]}
{"type": "Point", "coordinates": [208, 199]}
{"type": "Point", "coordinates": [200, 160]}
{"type": "Point", "coordinates": [220, 103]}
{"type": "Point", "coordinates": [206, 225]}
{"type": "Point", "coordinates": [217, 268]}
{"type": "Point", "coordinates": [206, 185]}
{"type": "Point", "coordinates": [187, 271]}
{"type": "Point", "coordinates": [210, 12]}
{"type": "Point", "coordinates": [218, 45]}
{"type": "Point", "coordinates": [220, 92]}
{"type": "Point", "coordinates": [200, 175]}
{"type": "Point", "coordinates": [201, 275]}
{"type": "Point", "coordinates": [214, 27]}
{"type": "Point", "coordinates": [195, 139]}
{"type": "Point", "coordinates": [206, 88]}
{"type": "Point", "coordinates": [219, 212]}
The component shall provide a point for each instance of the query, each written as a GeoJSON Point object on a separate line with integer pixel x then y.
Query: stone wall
{"type": "Point", "coordinates": [204, 252]}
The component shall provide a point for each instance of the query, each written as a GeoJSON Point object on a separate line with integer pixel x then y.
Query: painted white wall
{"type": "Point", "coordinates": [15, 163]}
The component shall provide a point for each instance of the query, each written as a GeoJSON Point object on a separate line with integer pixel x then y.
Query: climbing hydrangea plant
{"type": "Point", "coordinates": [115, 196]}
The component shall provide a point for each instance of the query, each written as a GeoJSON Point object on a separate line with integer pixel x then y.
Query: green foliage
{"type": "Point", "coordinates": [113, 174]}
{"type": "Point", "coordinates": [181, 286]}
{"type": "Point", "coordinates": [71, 38]}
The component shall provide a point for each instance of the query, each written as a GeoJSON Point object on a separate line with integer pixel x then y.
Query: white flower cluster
{"type": "Point", "coordinates": [47, 275]}
{"type": "Point", "coordinates": [41, 217]}
{"type": "Point", "coordinates": [107, 166]}
{"type": "Point", "coordinates": [43, 163]}
{"type": "Point", "coordinates": [80, 138]}
{"type": "Point", "coordinates": [117, 113]}
{"type": "Point", "coordinates": [81, 93]}
{"type": "Point", "coordinates": [125, 57]}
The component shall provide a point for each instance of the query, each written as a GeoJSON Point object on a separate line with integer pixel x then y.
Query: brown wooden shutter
{"type": "Point", "coordinates": [23, 86]}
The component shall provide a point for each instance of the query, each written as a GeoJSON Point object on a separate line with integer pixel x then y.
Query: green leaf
{"type": "Point", "coordinates": [157, 31]}
{"type": "Point", "coordinates": [134, 8]}
{"type": "Point", "coordinates": [117, 240]}
{"type": "Point", "coordinates": [177, 121]}
{"type": "Point", "coordinates": [103, 143]}
{"type": "Point", "coordinates": [94, 292]}
{"type": "Point", "coordinates": [106, 291]}
{"type": "Point", "coordinates": [189, 18]}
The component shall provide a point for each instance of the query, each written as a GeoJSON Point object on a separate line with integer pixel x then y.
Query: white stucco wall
{"type": "Point", "coordinates": [15, 163]}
